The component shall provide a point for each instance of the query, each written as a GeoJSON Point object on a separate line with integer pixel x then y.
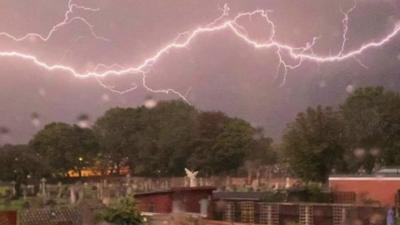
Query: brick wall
{"type": "Point", "coordinates": [8, 218]}
{"type": "Point", "coordinates": [158, 203]}
{"type": "Point", "coordinates": [382, 189]}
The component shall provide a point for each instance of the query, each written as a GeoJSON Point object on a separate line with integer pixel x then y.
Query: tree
{"type": "Point", "coordinates": [151, 141]}
{"type": "Point", "coordinates": [65, 147]}
{"type": "Point", "coordinates": [166, 139]}
{"type": "Point", "coordinates": [222, 145]}
{"type": "Point", "coordinates": [20, 164]}
{"type": "Point", "coordinates": [312, 144]}
{"type": "Point", "coordinates": [210, 126]}
{"type": "Point", "coordinates": [117, 132]}
{"type": "Point", "coordinates": [261, 157]}
{"type": "Point", "coordinates": [232, 146]}
{"type": "Point", "coordinates": [123, 212]}
{"type": "Point", "coordinates": [372, 118]}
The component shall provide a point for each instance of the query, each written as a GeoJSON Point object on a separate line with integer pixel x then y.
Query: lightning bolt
{"type": "Point", "coordinates": [68, 19]}
{"type": "Point", "coordinates": [223, 23]}
{"type": "Point", "coordinates": [345, 23]}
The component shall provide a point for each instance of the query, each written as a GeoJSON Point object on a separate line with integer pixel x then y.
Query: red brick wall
{"type": "Point", "coordinates": [190, 199]}
{"type": "Point", "coordinates": [158, 203]}
{"type": "Point", "coordinates": [381, 189]}
{"type": "Point", "coordinates": [8, 218]}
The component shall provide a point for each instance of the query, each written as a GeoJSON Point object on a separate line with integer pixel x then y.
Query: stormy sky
{"type": "Point", "coordinates": [218, 71]}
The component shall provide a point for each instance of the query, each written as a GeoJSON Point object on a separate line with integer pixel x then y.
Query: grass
{"type": "Point", "coordinates": [12, 205]}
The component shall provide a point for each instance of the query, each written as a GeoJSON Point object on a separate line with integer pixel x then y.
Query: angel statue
{"type": "Point", "coordinates": [192, 177]}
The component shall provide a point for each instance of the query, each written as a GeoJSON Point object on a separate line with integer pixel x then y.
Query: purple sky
{"type": "Point", "coordinates": [221, 71]}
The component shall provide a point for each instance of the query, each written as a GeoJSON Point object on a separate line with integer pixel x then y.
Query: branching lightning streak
{"type": "Point", "coordinates": [183, 40]}
{"type": "Point", "coordinates": [68, 19]}
{"type": "Point", "coordinates": [345, 22]}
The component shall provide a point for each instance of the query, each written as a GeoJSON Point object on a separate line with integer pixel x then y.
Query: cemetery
{"type": "Point", "coordinates": [188, 200]}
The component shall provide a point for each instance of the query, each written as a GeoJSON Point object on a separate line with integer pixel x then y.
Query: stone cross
{"type": "Point", "coordinates": [192, 177]}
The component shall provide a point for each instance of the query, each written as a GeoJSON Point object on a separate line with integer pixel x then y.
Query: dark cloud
{"type": "Point", "coordinates": [222, 72]}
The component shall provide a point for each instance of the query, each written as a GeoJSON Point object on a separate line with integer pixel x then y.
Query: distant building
{"type": "Point", "coordinates": [382, 187]}
{"type": "Point", "coordinates": [94, 172]}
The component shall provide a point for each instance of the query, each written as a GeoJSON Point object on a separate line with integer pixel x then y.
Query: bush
{"type": "Point", "coordinates": [122, 212]}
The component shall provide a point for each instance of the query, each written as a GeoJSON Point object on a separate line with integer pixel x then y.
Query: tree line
{"type": "Point", "coordinates": [360, 135]}
{"type": "Point", "coordinates": [158, 141]}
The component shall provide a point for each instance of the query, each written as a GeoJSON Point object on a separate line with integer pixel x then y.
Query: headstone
{"type": "Point", "coordinates": [287, 183]}
{"type": "Point", "coordinates": [99, 190]}
{"type": "Point", "coordinates": [255, 185]}
{"type": "Point", "coordinates": [31, 189]}
{"type": "Point", "coordinates": [60, 189]}
{"type": "Point", "coordinates": [135, 187]}
{"type": "Point", "coordinates": [129, 190]}
{"type": "Point", "coordinates": [192, 177]}
{"type": "Point", "coordinates": [14, 188]}
{"type": "Point", "coordinates": [128, 179]}
{"type": "Point", "coordinates": [204, 207]}
{"type": "Point", "coordinates": [72, 194]}
{"type": "Point", "coordinates": [81, 193]}
{"type": "Point", "coordinates": [24, 191]}
{"type": "Point", "coordinates": [176, 206]}
{"type": "Point", "coordinates": [276, 186]}
{"type": "Point", "coordinates": [43, 186]}
{"type": "Point", "coordinates": [390, 218]}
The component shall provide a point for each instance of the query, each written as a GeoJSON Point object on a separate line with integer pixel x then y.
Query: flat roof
{"type": "Point", "coordinates": [239, 196]}
{"type": "Point", "coordinates": [176, 189]}
{"type": "Point", "coordinates": [367, 177]}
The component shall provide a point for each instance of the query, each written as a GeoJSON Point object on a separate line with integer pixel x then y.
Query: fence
{"type": "Point", "coordinates": [61, 216]}
{"type": "Point", "coordinates": [251, 212]}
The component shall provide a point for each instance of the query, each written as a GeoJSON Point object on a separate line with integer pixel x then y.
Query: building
{"type": "Point", "coordinates": [179, 199]}
{"type": "Point", "coordinates": [381, 188]}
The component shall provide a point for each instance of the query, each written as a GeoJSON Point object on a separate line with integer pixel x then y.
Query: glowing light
{"type": "Point", "coordinates": [105, 97]}
{"type": "Point", "coordinates": [42, 92]}
{"type": "Point", "coordinates": [150, 103]}
{"type": "Point", "coordinates": [359, 153]}
{"type": "Point", "coordinates": [349, 88]}
{"type": "Point", "coordinates": [35, 119]}
{"type": "Point", "coordinates": [184, 39]}
{"type": "Point", "coordinates": [83, 121]}
{"type": "Point", "coordinates": [375, 151]}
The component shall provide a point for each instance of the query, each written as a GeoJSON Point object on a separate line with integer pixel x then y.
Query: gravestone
{"type": "Point", "coordinates": [24, 191]}
{"type": "Point", "coordinates": [81, 193]}
{"type": "Point", "coordinates": [72, 194]}
{"type": "Point", "coordinates": [99, 189]}
{"type": "Point", "coordinates": [204, 203]}
{"type": "Point", "coordinates": [288, 183]}
{"type": "Point", "coordinates": [60, 190]}
{"type": "Point", "coordinates": [14, 188]}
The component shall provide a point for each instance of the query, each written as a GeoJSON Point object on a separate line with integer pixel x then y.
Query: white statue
{"type": "Point", "coordinates": [192, 177]}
